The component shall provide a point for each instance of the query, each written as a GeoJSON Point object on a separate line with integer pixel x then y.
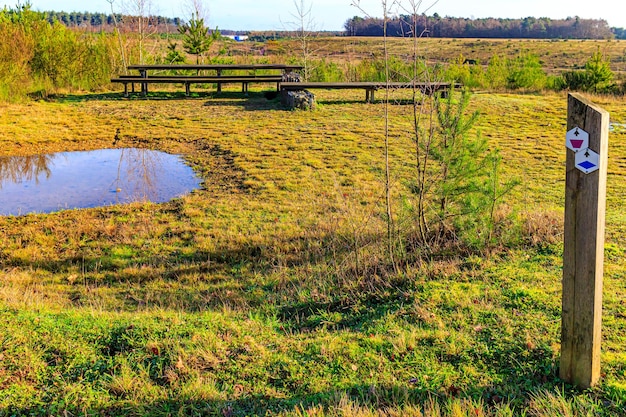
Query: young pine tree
{"type": "Point", "coordinates": [598, 73]}
{"type": "Point", "coordinates": [196, 37]}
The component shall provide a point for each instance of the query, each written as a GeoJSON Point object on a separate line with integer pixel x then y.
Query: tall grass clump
{"type": "Point", "coordinates": [42, 58]}
{"type": "Point", "coordinates": [63, 59]}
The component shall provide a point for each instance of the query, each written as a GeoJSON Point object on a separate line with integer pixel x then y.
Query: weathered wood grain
{"type": "Point", "coordinates": [583, 253]}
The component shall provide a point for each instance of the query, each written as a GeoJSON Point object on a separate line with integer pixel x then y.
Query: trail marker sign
{"type": "Point", "coordinates": [577, 139]}
{"type": "Point", "coordinates": [587, 161]}
{"type": "Point", "coordinates": [583, 237]}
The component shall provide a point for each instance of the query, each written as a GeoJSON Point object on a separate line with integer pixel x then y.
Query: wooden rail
{"type": "Point", "coordinates": [369, 87]}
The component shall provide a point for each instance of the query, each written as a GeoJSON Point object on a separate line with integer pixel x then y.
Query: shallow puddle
{"type": "Point", "coordinates": [67, 180]}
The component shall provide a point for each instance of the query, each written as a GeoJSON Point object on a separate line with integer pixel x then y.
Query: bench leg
{"type": "Point", "coordinates": [219, 87]}
{"type": "Point", "coordinates": [144, 86]}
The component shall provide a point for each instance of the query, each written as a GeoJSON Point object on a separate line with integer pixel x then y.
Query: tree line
{"type": "Point", "coordinates": [454, 27]}
{"type": "Point", "coordinates": [620, 33]}
{"type": "Point", "coordinates": [101, 20]}
{"type": "Point", "coordinates": [403, 25]}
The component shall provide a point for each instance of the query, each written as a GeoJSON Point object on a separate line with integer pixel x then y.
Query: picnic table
{"type": "Point", "coordinates": [220, 74]}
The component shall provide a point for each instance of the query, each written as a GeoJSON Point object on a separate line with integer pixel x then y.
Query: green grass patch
{"type": "Point", "coordinates": [268, 290]}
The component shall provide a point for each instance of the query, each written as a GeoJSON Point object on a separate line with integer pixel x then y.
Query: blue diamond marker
{"type": "Point", "coordinates": [587, 161]}
{"type": "Point", "coordinates": [587, 165]}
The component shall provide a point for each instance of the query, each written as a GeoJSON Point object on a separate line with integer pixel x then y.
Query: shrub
{"type": "Point", "coordinates": [459, 72]}
{"type": "Point", "coordinates": [37, 55]}
{"type": "Point", "coordinates": [322, 70]}
{"type": "Point", "coordinates": [16, 51]}
{"type": "Point", "coordinates": [497, 73]}
{"type": "Point", "coordinates": [597, 77]}
{"type": "Point", "coordinates": [575, 80]}
{"type": "Point", "coordinates": [526, 73]}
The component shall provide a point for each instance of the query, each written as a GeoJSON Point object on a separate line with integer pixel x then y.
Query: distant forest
{"type": "Point", "coordinates": [106, 22]}
{"type": "Point", "coordinates": [97, 20]}
{"type": "Point", "coordinates": [433, 26]}
{"type": "Point", "coordinates": [455, 27]}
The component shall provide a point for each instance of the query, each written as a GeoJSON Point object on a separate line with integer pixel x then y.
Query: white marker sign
{"type": "Point", "coordinates": [577, 139]}
{"type": "Point", "coordinates": [587, 161]}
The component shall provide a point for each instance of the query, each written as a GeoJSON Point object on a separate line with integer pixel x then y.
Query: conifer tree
{"type": "Point", "coordinates": [598, 73]}
{"type": "Point", "coordinates": [196, 37]}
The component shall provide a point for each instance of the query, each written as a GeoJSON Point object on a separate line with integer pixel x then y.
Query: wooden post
{"type": "Point", "coordinates": [583, 252]}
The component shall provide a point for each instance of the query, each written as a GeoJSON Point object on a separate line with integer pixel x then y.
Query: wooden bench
{"type": "Point", "coordinates": [195, 79]}
{"type": "Point", "coordinates": [369, 86]}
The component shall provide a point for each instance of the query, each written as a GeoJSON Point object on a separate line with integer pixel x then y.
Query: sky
{"type": "Point", "coordinates": [332, 14]}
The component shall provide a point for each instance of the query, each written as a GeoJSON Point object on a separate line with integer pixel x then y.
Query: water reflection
{"type": "Point", "coordinates": [47, 183]}
{"type": "Point", "coordinates": [16, 169]}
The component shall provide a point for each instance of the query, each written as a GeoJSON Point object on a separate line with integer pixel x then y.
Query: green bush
{"type": "Point", "coordinates": [38, 56]}
{"type": "Point", "coordinates": [575, 80]}
{"type": "Point", "coordinates": [597, 77]}
{"type": "Point", "coordinates": [495, 77]}
{"type": "Point", "coordinates": [16, 51]}
{"type": "Point", "coordinates": [497, 73]}
{"type": "Point", "coordinates": [375, 70]}
{"type": "Point", "coordinates": [459, 72]}
{"type": "Point", "coordinates": [526, 73]}
{"type": "Point", "coordinates": [174, 56]}
{"type": "Point", "coordinates": [322, 70]}
{"type": "Point", "coordinates": [599, 74]}
{"type": "Point", "coordinates": [367, 70]}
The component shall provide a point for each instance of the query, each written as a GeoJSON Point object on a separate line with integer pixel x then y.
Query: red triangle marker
{"type": "Point", "coordinates": [577, 143]}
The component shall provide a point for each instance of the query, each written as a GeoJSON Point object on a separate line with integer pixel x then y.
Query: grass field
{"type": "Point", "coordinates": [556, 55]}
{"type": "Point", "coordinates": [266, 292]}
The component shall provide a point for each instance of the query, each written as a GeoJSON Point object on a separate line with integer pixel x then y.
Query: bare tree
{"type": "Point", "coordinates": [139, 16]}
{"type": "Point", "coordinates": [119, 36]}
{"type": "Point", "coordinates": [305, 25]}
{"type": "Point", "coordinates": [422, 138]}
{"type": "Point", "coordinates": [197, 8]}
{"type": "Point", "coordinates": [457, 181]}
{"type": "Point", "coordinates": [387, 6]}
